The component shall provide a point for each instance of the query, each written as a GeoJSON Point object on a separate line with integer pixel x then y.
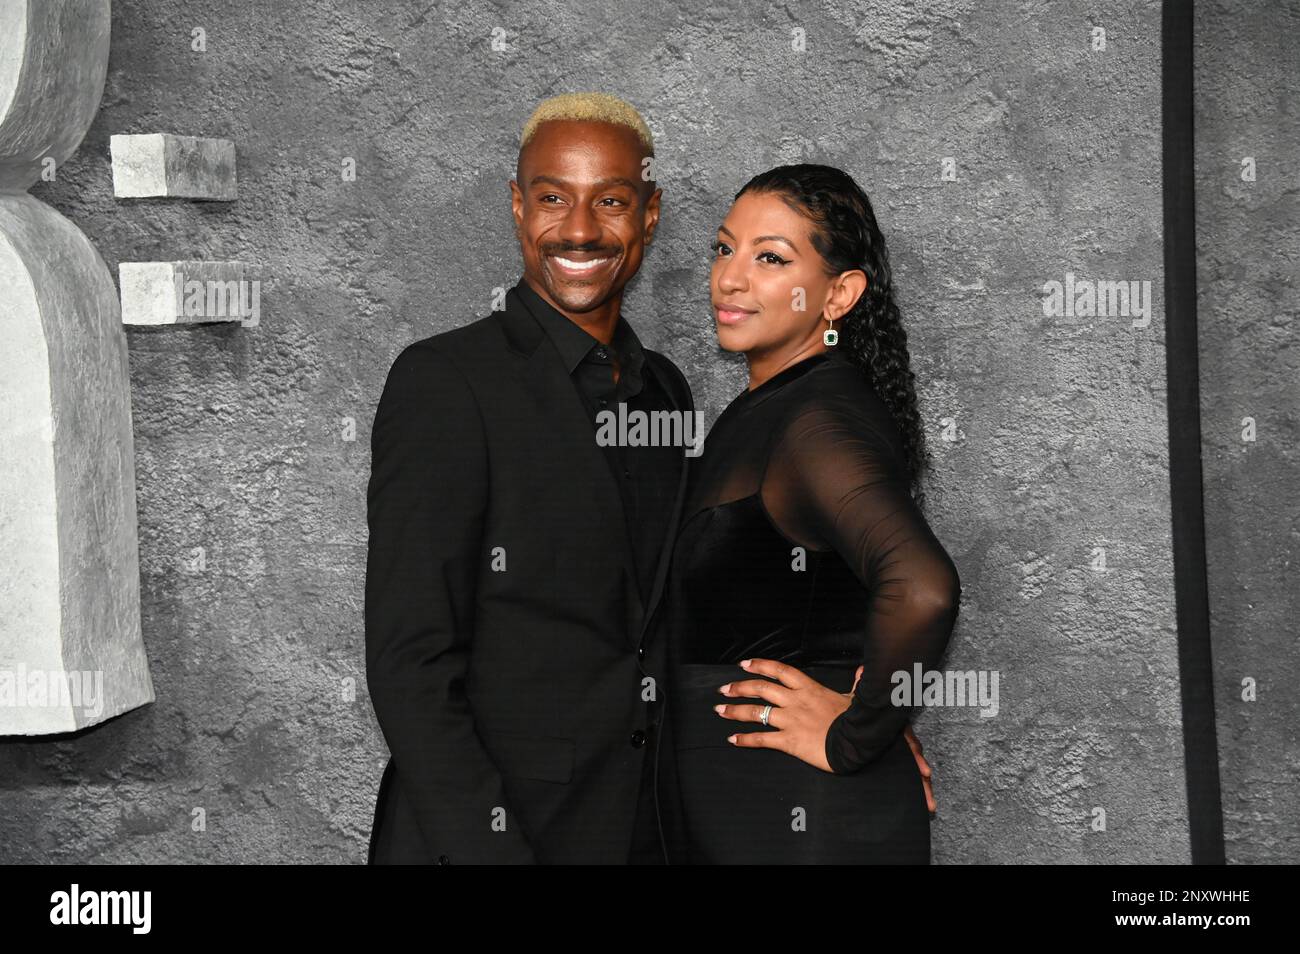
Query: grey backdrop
{"type": "Point", "coordinates": [1049, 434]}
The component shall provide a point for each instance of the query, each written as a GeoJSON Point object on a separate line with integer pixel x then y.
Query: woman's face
{"type": "Point", "coordinates": [769, 285]}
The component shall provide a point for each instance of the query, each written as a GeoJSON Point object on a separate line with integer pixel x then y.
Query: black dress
{"type": "Point", "coordinates": [800, 542]}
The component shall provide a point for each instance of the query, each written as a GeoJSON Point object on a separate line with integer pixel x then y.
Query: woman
{"type": "Point", "coordinates": [802, 553]}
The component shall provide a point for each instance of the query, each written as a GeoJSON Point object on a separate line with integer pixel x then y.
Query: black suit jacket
{"type": "Point", "coordinates": [507, 646]}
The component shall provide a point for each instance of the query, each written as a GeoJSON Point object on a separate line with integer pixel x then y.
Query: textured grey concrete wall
{"type": "Point", "coordinates": [1049, 433]}
{"type": "Point", "coordinates": [1248, 280]}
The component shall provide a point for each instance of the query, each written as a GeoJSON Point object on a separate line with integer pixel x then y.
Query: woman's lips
{"type": "Point", "coordinates": [730, 315]}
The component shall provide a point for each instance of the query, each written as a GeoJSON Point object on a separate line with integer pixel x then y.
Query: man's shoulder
{"type": "Point", "coordinates": [464, 341]}
{"type": "Point", "coordinates": [469, 347]}
{"type": "Point", "coordinates": [449, 360]}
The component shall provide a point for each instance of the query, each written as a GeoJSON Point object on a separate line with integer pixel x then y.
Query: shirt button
{"type": "Point", "coordinates": [638, 739]}
{"type": "Point", "coordinates": [600, 353]}
{"type": "Point", "coordinates": [640, 652]}
{"type": "Point", "coordinates": [444, 860]}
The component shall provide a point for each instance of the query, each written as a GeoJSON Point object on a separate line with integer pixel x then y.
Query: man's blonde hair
{"type": "Point", "coordinates": [589, 107]}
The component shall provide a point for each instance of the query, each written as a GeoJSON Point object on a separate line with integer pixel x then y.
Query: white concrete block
{"type": "Point", "coordinates": [183, 167]}
{"type": "Point", "coordinates": [169, 293]}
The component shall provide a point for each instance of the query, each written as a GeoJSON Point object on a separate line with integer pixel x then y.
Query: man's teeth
{"type": "Point", "coordinates": [581, 266]}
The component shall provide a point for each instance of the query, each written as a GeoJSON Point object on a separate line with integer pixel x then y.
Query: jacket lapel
{"type": "Point", "coordinates": [670, 535]}
{"type": "Point", "coordinates": [551, 387]}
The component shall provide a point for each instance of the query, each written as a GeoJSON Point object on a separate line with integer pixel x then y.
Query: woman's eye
{"type": "Point", "coordinates": [772, 258]}
{"type": "Point", "coordinates": [718, 248]}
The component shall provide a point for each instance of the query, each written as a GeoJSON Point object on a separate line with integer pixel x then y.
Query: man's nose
{"type": "Point", "coordinates": [580, 226]}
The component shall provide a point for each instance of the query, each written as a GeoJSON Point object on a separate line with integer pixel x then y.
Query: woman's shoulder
{"type": "Point", "coordinates": [836, 387]}
{"type": "Point", "coordinates": [835, 401]}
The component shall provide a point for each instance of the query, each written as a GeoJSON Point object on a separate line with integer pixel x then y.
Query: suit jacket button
{"type": "Point", "coordinates": [638, 739]}
{"type": "Point", "coordinates": [444, 860]}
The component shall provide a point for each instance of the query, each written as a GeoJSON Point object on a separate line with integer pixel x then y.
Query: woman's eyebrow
{"type": "Point", "coordinates": [761, 238]}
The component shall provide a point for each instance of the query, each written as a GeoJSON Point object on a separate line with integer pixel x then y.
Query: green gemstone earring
{"type": "Point", "coordinates": [830, 336]}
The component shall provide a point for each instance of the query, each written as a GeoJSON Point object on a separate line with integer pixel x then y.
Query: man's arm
{"type": "Point", "coordinates": [425, 509]}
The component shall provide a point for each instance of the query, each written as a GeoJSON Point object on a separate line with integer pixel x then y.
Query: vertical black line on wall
{"type": "Point", "coordinates": [1182, 370]}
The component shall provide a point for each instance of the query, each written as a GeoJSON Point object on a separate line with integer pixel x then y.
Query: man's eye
{"type": "Point", "coordinates": [610, 198]}
{"type": "Point", "coordinates": [549, 196]}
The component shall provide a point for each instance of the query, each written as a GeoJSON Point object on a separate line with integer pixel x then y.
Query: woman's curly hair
{"type": "Point", "coordinates": [847, 237]}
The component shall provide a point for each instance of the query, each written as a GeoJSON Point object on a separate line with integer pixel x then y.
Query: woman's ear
{"type": "Point", "coordinates": [844, 294]}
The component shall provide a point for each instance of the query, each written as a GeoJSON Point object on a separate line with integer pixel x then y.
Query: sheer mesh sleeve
{"type": "Point", "coordinates": [835, 480]}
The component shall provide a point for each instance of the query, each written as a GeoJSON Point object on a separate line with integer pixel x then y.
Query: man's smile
{"type": "Point", "coordinates": [579, 265]}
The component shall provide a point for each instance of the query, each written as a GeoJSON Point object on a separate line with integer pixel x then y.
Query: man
{"type": "Point", "coordinates": [515, 562]}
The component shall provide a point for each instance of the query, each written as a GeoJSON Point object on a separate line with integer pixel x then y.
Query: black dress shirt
{"type": "Point", "coordinates": [647, 478]}
{"type": "Point", "coordinates": [646, 475]}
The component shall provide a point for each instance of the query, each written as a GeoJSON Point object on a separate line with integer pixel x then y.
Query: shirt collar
{"type": "Point", "coordinates": [572, 341]}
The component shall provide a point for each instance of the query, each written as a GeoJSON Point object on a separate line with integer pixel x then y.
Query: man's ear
{"type": "Point", "coordinates": [652, 214]}
{"type": "Point", "coordinates": [517, 204]}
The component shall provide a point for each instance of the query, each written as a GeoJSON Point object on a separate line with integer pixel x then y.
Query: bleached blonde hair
{"type": "Point", "coordinates": [589, 107]}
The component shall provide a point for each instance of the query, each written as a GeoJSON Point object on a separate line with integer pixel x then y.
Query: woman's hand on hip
{"type": "Point", "coordinates": [802, 710]}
